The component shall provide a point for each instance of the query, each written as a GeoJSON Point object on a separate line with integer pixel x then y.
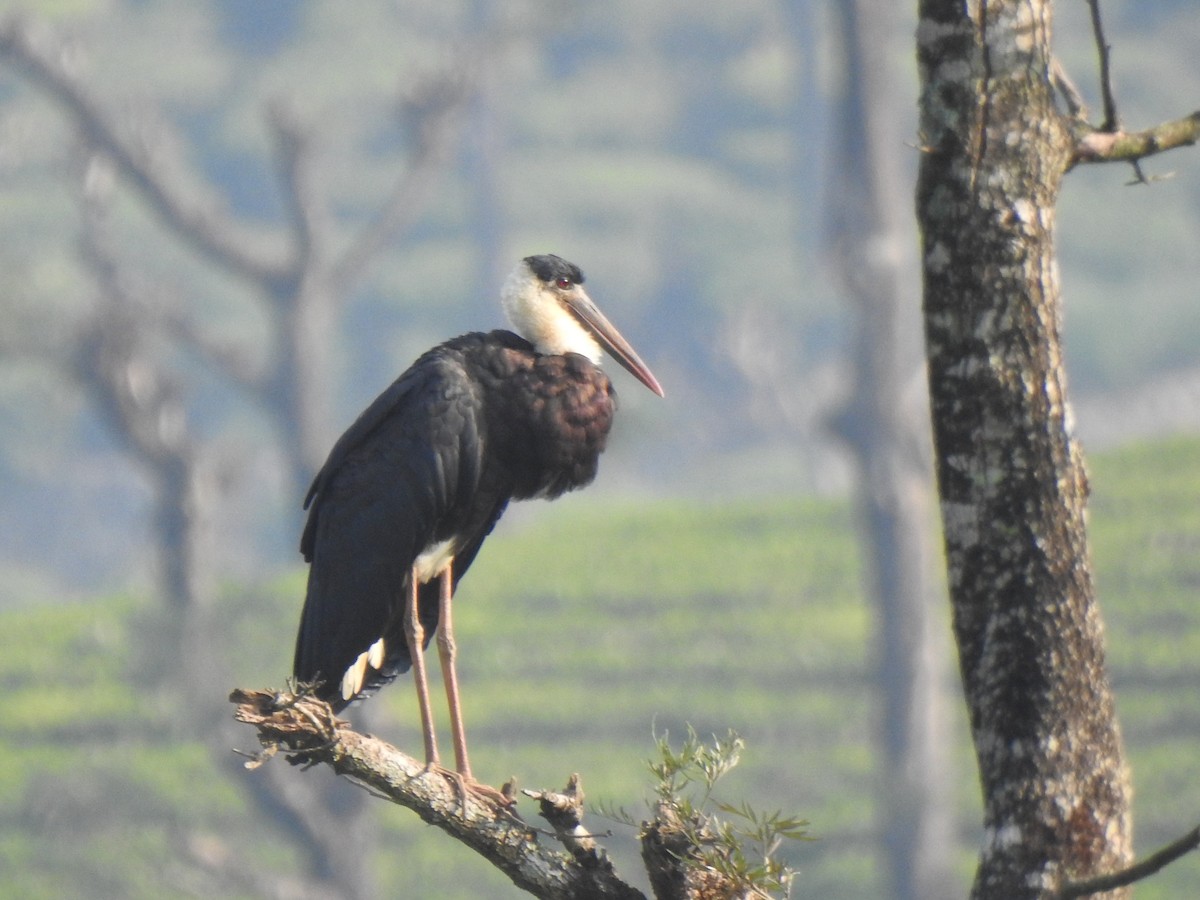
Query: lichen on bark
{"type": "Point", "coordinates": [1011, 476]}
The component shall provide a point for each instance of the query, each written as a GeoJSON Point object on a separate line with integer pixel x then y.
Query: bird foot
{"type": "Point", "coordinates": [467, 784]}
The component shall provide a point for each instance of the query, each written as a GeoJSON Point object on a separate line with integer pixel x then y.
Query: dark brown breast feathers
{"type": "Point", "coordinates": [548, 417]}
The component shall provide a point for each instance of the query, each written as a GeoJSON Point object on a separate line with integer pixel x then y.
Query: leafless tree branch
{"type": "Point", "coordinates": [123, 351]}
{"type": "Point", "coordinates": [1111, 123]}
{"type": "Point", "coordinates": [433, 111]}
{"type": "Point", "coordinates": [1099, 146]}
{"type": "Point", "coordinates": [1109, 142]}
{"type": "Point", "coordinates": [142, 400]}
{"type": "Point", "coordinates": [295, 270]}
{"type": "Point", "coordinates": [306, 729]}
{"type": "Point", "coordinates": [1070, 92]}
{"type": "Point", "coordinates": [218, 237]}
{"type": "Point", "coordinates": [1138, 871]}
{"type": "Point", "coordinates": [293, 151]}
{"type": "Point", "coordinates": [231, 360]}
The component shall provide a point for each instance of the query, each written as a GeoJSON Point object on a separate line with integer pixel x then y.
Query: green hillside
{"type": "Point", "coordinates": [583, 630]}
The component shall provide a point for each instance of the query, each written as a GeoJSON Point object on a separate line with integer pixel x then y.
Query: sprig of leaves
{"type": "Point", "coordinates": [695, 763]}
{"type": "Point", "coordinates": [743, 846]}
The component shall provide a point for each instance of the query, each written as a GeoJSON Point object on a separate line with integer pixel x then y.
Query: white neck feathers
{"type": "Point", "coordinates": [537, 313]}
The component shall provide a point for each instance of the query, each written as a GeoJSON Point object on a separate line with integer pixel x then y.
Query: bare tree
{"type": "Point", "coordinates": [120, 355]}
{"type": "Point", "coordinates": [302, 281]}
{"type": "Point", "coordinates": [141, 400]}
{"type": "Point", "coordinates": [885, 424]}
{"type": "Point", "coordinates": [1010, 472]}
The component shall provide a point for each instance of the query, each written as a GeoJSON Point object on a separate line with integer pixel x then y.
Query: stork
{"type": "Point", "coordinates": [408, 494]}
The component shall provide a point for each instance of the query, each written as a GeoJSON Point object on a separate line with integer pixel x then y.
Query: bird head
{"type": "Point", "coordinates": [546, 303]}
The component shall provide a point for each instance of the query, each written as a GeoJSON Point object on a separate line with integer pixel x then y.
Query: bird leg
{"type": "Point", "coordinates": [414, 634]}
{"type": "Point", "coordinates": [447, 651]}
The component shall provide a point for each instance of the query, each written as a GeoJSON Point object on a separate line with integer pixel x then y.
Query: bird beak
{"type": "Point", "coordinates": [582, 307]}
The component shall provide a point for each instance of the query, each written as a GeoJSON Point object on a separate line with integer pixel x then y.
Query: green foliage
{"type": "Point", "coordinates": [695, 764]}
{"type": "Point", "coordinates": [741, 848]}
{"type": "Point", "coordinates": [587, 632]}
{"type": "Point", "coordinates": [674, 150]}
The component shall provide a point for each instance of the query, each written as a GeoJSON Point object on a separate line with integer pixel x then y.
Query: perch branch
{"type": "Point", "coordinates": [306, 729]}
{"type": "Point", "coordinates": [1144, 869]}
{"type": "Point", "coordinates": [564, 811]}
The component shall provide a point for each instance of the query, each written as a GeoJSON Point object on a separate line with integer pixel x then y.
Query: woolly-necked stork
{"type": "Point", "coordinates": [410, 491]}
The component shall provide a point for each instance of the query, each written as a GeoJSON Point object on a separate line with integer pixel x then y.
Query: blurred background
{"type": "Point", "coordinates": [227, 226]}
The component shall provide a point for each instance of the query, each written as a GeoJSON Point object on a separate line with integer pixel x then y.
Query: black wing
{"type": "Point", "coordinates": [403, 476]}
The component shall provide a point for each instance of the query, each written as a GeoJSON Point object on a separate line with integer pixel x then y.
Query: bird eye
{"type": "Point", "coordinates": [563, 282]}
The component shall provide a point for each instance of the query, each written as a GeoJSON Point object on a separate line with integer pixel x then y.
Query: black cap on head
{"type": "Point", "coordinates": [550, 268]}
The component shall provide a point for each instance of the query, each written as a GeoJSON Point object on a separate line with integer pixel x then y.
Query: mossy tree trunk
{"type": "Point", "coordinates": [1010, 472]}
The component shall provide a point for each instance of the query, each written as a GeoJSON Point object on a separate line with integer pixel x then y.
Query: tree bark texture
{"type": "Point", "coordinates": [1010, 472]}
{"type": "Point", "coordinates": [582, 870]}
{"type": "Point", "coordinates": [674, 842]}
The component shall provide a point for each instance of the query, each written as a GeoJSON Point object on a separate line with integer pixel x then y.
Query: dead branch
{"type": "Point", "coordinates": [1138, 871]}
{"type": "Point", "coordinates": [43, 57]}
{"type": "Point", "coordinates": [293, 157]}
{"type": "Point", "coordinates": [564, 811]}
{"type": "Point", "coordinates": [307, 731]}
{"type": "Point", "coordinates": [296, 270]}
{"type": "Point", "coordinates": [1109, 142]}
{"type": "Point", "coordinates": [1094, 145]}
{"type": "Point", "coordinates": [1111, 122]}
{"type": "Point", "coordinates": [434, 112]}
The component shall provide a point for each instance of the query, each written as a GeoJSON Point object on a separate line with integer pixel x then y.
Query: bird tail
{"type": "Point", "coordinates": [340, 665]}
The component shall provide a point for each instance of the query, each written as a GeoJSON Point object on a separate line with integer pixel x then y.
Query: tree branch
{"type": "Point", "coordinates": [306, 729]}
{"type": "Point", "coordinates": [1070, 92]}
{"type": "Point", "coordinates": [1109, 142]}
{"type": "Point", "coordinates": [1138, 871]}
{"type": "Point", "coordinates": [141, 400]}
{"type": "Point", "coordinates": [199, 223]}
{"type": "Point", "coordinates": [292, 156]}
{"type": "Point", "coordinates": [1111, 122]}
{"type": "Point", "coordinates": [1094, 145]}
{"type": "Point", "coordinates": [433, 111]}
